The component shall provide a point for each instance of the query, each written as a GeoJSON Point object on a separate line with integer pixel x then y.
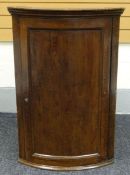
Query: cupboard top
{"type": "Point", "coordinates": [64, 12]}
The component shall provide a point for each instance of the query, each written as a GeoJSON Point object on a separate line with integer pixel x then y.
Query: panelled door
{"type": "Point", "coordinates": [65, 70]}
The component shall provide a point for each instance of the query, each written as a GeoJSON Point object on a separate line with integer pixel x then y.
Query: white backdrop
{"type": "Point", "coordinates": [6, 65]}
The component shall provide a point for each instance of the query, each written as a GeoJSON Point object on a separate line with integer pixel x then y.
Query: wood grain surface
{"type": "Point", "coordinates": [66, 69]}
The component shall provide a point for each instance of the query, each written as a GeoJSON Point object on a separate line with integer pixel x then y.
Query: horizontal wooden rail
{"type": "Point", "coordinates": [6, 22]}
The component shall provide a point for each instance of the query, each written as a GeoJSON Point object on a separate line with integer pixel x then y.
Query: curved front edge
{"type": "Point", "coordinates": [63, 168]}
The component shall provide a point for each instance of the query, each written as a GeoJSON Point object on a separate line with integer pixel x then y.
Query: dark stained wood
{"type": "Point", "coordinates": [60, 88]}
{"type": "Point", "coordinates": [64, 12]}
{"type": "Point", "coordinates": [66, 69]}
{"type": "Point", "coordinates": [113, 80]}
{"type": "Point", "coordinates": [18, 82]}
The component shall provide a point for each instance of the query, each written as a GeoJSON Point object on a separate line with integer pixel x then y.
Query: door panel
{"type": "Point", "coordinates": [65, 90]}
{"type": "Point", "coordinates": [67, 85]}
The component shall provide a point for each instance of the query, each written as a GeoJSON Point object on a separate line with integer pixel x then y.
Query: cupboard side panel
{"type": "Point", "coordinates": [18, 82]}
{"type": "Point", "coordinates": [113, 85]}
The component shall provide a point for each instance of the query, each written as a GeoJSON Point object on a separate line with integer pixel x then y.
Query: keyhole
{"type": "Point", "coordinates": [26, 100]}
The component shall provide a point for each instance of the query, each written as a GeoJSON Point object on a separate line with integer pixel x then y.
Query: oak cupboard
{"type": "Point", "coordinates": [66, 70]}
